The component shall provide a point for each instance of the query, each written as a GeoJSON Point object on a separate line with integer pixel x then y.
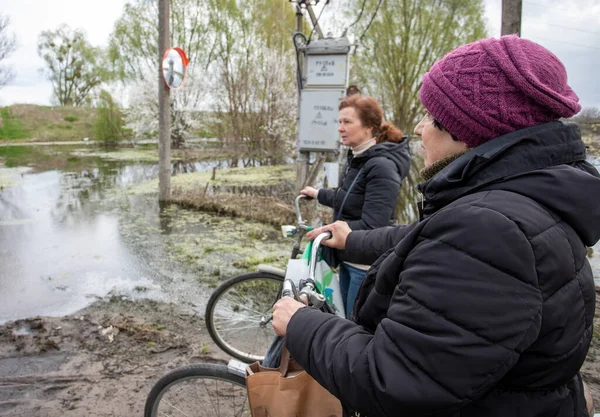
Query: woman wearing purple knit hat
{"type": "Point", "coordinates": [484, 306]}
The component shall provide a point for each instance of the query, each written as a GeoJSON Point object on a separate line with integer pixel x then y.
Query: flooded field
{"type": "Point", "coordinates": [72, 235]}
{"type": "Point", "coordinates": [80, 223]}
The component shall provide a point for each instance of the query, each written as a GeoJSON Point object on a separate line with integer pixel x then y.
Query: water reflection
{"type": "Point", "coordinates": [69, 237]}
{"type": "Point", "coordinates": [54, 251]}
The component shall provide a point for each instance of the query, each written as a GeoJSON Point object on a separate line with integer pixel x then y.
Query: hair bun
{"type": "Point", "coordinates": [388, 132]}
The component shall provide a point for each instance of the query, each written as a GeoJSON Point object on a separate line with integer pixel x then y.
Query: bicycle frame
{"type": "Point", "coordinates": [325, 279]}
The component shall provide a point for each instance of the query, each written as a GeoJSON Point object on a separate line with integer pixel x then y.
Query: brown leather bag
{"type": "Point", "coordinates": [288, 391]}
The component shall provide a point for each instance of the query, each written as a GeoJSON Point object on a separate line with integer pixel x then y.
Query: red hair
{"type": "Point", "coordinates": [370, 115]}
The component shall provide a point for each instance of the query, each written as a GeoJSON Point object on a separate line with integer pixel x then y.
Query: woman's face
{"type": "Point", "coordinates": [436, 144]}
{"type": "Point", "coordinates": [351, 130]}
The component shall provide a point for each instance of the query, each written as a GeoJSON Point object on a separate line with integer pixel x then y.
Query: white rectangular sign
{"type": "Point", "coordinates": [319, 120]}
{"type": "Point", "coordinates": [331, 174]}
{"type": "Point", "coordinates": [326, 70]}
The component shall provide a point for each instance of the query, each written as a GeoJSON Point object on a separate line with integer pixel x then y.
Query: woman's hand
{"type": "Point", "coordinates": [283, 310]}
{"type": "Point", "coordinates": [310, 192]}
{"type": "Point", "coordinates": [339, 233]}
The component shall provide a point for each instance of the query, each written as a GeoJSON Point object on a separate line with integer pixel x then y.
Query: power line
{"type": "Point", "coordinates": [545, 6]}
{"type": "Point", "coordinates": [370, 21]}
{"type": "Point", "coordinates": [568, 43]}
{"type": "Point", "coordinates": [317, 22]}
{"type": "Point", "coordinates": [362, 9]}
{"type": "Point", "coordinates": [578, 30]}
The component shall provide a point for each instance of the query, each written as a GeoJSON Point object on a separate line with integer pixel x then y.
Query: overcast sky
{"type": "Point", "coordinates": [570, 29]}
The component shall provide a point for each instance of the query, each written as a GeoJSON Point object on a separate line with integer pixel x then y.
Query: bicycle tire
{"type": "Point", "coordinates": [238, 316]}
{"type": "Point", "coordinates": [195, 390]}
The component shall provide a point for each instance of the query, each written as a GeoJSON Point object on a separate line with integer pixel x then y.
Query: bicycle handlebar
{"type": "Point", "coordinates": [314, 252]}
{"type": "Point", "coordinates": [298, 212]}
{"type": "Point", "coordinates": [308, 285]}
{"type": "Point", "coordinates": [289, 289]}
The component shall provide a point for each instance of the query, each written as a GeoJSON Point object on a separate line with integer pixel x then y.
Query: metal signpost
{"type": "Point", "coordinates": [326, 69]}
{"type": "Point", "coordinates": [324, 85]}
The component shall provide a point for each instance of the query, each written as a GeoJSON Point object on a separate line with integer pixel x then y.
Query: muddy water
{"type": "Point", "coordinates": [75, 232]}
{"type": "Point", "coordinates": [70, 237]}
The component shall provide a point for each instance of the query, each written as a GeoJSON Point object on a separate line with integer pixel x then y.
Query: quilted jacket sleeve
{"type": "Point", "coordinates": [467, 304]}
{"type": "Point", "coordinates": [326, 196]}
{"type": "Point", "coordinates": [366, 246]}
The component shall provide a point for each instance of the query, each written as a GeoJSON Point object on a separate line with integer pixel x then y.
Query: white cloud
{"type": "Point", "coordinates": [29, 18]}
{"type": "Point", "coordinates": [569, 29]}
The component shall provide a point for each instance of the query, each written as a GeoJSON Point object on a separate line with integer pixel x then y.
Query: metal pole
{"type": "Point", "coordinates": [302, 161]}
{"type": "Point", "coordinates": [511, 17]}
{"type": "Point", "coordinates": [314, 20]}
{"type": "Point", "coordinates": [164, 109]}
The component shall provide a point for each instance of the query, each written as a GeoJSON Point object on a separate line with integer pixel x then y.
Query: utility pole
{"type": "Point", "coordinates": [302, 161]}
{"type": "Point", "coordinates": [303, 177]}
{"type": "Point", "coordinates": [511, 17]}
{"type": "Point", "coordinates": [164, 106]}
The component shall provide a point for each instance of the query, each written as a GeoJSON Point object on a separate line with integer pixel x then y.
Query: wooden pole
{"type": "Point", "coordinates": [164, 108]}
{"type": "Point", "coordinates": [303, 156]}
{"type": "Point", "coordinates": [511, 17]}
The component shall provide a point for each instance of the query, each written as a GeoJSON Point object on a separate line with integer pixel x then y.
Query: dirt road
{"type": "Point", "coordinates": [103, 360]}
{"type": "Point", "coordinates": [69, 366]}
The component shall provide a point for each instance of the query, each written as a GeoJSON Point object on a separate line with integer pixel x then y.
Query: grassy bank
{"type": "Point", "coordinates": [263, 194]}
{"type": "Point", "coordinates": [60, 123]}
{"type": "Point", "coordinates": [46, 123]}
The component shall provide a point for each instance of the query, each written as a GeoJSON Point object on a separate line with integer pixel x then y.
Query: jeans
{"type": "Point", "coordinates": [273, 354]}
{"type": "Point", "coordinates": [350, 280]}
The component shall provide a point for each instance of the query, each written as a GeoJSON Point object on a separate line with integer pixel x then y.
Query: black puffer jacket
{"type": "Point", "coordinates": [372, 200]}
{"type": "Point", "coordinates": [485, 306]}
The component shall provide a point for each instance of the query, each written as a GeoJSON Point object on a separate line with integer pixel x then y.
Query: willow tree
{"type": "Point", "coordinates": [133, 51]}
{"type": "Point", "coordinates": [403, 41]}
{"type": "Point", "coordinates": [241, 65]}
{"type": "Point", "coordinates": [255, 94]}
{"type": "Point", "coordinates": [133, 44]}
{"type": "Point", "coordinates": [73, 66]}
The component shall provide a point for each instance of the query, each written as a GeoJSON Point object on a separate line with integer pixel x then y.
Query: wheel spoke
{"type": "Point", "coordinates": [198, 390]}
{"type": "Point", "coordinates": [175, 408]}
{"type": "Point", "coordinates": [238, 314]}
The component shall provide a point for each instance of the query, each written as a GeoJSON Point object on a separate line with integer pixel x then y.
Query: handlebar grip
{"type": "Point", "coordinates": [288, 289]}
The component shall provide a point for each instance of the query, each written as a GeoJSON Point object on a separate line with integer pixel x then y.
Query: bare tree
{"type": "Point", "coordinates": [8, 45]}
{"type": "Point", "coordinates": [255, 94]}
{"type": "Point", "coordinates": [402, 41]}
{"type": "Point", "coordinates": [74, 67]}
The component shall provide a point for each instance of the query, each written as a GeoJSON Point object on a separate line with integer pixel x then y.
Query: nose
{"type": "Point", "coordinates": [340, 127]}
{"type": "Point", "coordinates": [419, 128]}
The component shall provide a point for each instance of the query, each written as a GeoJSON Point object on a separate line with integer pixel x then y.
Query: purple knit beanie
{"type": "Point", "coordinates": [487, 88]}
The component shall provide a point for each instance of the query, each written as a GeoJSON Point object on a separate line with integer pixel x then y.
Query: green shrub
{"type": "Point", "coordinates": [108, 127]}
{"type": "Point", "coordinates": [71, 118]}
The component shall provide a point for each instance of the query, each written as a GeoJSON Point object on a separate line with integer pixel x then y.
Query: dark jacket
{"type": "Point", "coordinates": [482, 308]}
{"type": "Point", "coordinates": [372, 200]}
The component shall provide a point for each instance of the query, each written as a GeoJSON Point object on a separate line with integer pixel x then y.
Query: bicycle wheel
{"type": "Point", "coordinates": [238, 314]}
{"type": "Point", "coordinates": [198, 390]}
